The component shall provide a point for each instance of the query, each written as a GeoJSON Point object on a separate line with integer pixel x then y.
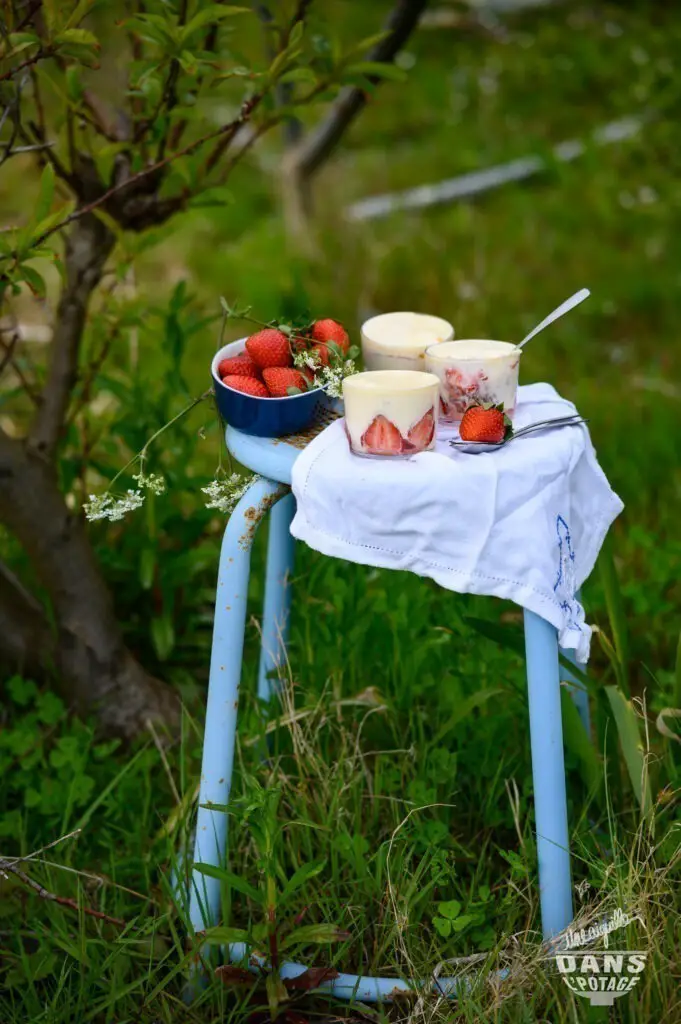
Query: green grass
{"type": "Point", "coordinates": [406, 767]}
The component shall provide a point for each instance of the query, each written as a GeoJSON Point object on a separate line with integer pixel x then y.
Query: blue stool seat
{"type": "Point", "coordinates": [272, 459]}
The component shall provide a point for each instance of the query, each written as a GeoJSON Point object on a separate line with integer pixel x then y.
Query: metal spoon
{"type": "Point", "coordinates": [490, 446]}
{"type": "Point", "coordinates": [559, 311]}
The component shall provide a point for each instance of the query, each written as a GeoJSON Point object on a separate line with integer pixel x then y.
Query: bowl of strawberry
{"type": "Point", "coordinates": [273, 382]}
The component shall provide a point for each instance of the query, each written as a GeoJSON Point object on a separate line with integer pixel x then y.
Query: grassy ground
{"type": "Point", "coordinates": [405, 767]}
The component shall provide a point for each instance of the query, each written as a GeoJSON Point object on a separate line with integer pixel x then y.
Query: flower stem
{"type": "Point", "coordinates": [143, 452]}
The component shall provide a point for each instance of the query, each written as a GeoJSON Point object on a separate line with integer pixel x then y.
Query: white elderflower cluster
{"type": "Point", "coordinates": [106, 506]}
{"type": "Point", "coordinates": [224, 493]}
{"type": "Point", "coordinates": [331, 378]}
{"type": "Point", "coordinates": [112, 507]}
{"type": "Point", "coordinates": [309, 359]}
{"type": "Point", "coordinates": [154, 482]}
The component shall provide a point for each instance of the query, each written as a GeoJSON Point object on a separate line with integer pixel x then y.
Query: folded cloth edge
{"type": "Point", "coordinates": [541, 602]}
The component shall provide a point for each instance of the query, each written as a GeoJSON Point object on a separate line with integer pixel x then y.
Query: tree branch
{"type": "Point", "coordinates": [87, 249]}
{"type": "Point", "coordinates": [320, 143]}
{"type": "Point", "coordinates": [28, 63]}
{"type": "Point", "coordinates": [9, 867]}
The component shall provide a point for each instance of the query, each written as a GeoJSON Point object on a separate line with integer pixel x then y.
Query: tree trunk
{"type": "Point", "coordinates": [95, 670]}
{"type": "Point", "coordinates": [84, 649]}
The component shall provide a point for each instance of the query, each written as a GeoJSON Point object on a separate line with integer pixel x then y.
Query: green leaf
{"type": "Point", "coordinates": [442, 926]}
{"type": "Point", "coordinates": [632, 747]}
{"type": "Point", "coordinates": [277, 66]}
{"type": "Point", "coordinates": [82, 8]}
{"type": "Point", "coordinates": [677, 676]}
{"type": "Point", "coordinates": [21, 691]}
{"type": "Point", "coordinates": [34, 280]}
{"type": "Point", "coordinates": [463, 709]}
{"type": "Point", "coordinates": [450, 909]}
{"type": "Point", "coordinates": [314, 933]}
{"type": "Point", "coordinates": [188, 62]}
{"type": "Point", "coordinates": [74, 86]}
{"type": "Point", "coordinates": [79, 36]}
{"type": "Point", "coordinates": [20, 41]}
{"type": "Point", "coordinates": [367, 44]}
{"type": "Point", "coordinates": [147, 566]}
{"type": "Point", "coordinates": [377, 69]}
{"type": "Point", "coordinates": [578, 742]}
{"type": "Point", "coordinates": [509, 637]}
{"type": "Point", "coordinates": [221, 936]}
{"type": "Point", "coordinates": [462, 922]}
{"type": "Point", "coordinates": [299, 877]}
{"type": "Point", "coordinates": [48, 223]}
{"type": "Point", "coordinates": [163, 635]}
{"type": "Point", "coordinates": [83, 54]}
{"type": "Point", "coordinates": [299, 75]}
{"type": "Point", "coordinates": [616, 614]}
{"type": "Point", "coordinates": [46, 193]}
{"type": "Point", "coordinates": [210, 15]}
{"type": "Point", "coordinates": [218, 195]}
{"type": "Point", "coordinates": [232, 880]}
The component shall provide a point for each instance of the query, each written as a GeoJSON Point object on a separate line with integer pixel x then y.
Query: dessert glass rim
{"type": "Point", "coordinates": [404, 312]}
{"type": "Point", "coordinates": [401, 380]}
{"type": "Point", "coordinates": [445, 349]}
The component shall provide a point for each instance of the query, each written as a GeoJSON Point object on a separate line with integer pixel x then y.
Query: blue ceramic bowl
{"type": "Point", "coordinates": [264, 417]}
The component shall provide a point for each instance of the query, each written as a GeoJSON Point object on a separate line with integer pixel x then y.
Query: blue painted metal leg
{"type": "Point", "coordinates": [280, 554]}
{"type": "Point", "coordinates": [548, 774]}
{"type": "Point", "coordinates": [223, 694]}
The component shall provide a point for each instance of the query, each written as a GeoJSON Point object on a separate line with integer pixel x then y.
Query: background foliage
{"type": "Point", "coordinates": [405, 767]}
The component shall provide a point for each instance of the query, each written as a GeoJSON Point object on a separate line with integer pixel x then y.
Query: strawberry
{"type": "Point", "coordinates": [269, 347]}
{"type": "Point", "coordinates": [329, 331]}
{"type": "Point", "coordinates": [422, 433]}
{"type": "Point", "coordinates": [484, 423]}
{"type": "Point", "coordinates": [280, 378]}
{"type": "Point", "coordinates": [249, 385]}
{"type": "Point", "coordinates": [241, 366]}
{"type": "Point", "coordinates": [382, 437]}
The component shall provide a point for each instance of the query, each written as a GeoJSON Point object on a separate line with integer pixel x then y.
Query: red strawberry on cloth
{"type": "Point", "coordinates": [325, 332]}
{"type": "Point", "coordinates": [280, 378]}
{"type": "Point", "coordinates": [269, 347]}
{"type": "Point", "coordinates": [382, 437]}
{"type": "Point", "coordinates": [484, 423]}
{"type": "Point", "coordinates": [249, 385]}
{"type": "Point", "coordinates": [241, 366]}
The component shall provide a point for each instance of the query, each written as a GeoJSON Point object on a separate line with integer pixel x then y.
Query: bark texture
{"type": "Point", "coordinates": [83, 645]}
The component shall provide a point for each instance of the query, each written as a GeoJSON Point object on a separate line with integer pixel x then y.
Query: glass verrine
{"type": "Point", "coordinates": [398, 341]}
{"type": "Point", "coordinates": [391, 412]}
{"type": "Point", "coordinates": [474, 371]}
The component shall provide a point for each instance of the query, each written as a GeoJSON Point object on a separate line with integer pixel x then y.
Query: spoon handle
{"type": "Point", "coordinates": [564, 307]}
{"type": "Point", "coordinates": [562, 421]}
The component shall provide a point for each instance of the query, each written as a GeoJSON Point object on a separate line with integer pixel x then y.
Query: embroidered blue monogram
{"type": "Point", "coordinates": [564, 587]}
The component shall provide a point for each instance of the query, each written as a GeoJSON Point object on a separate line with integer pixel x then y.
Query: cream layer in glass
{"type": "Point", "coordinates": [391, 412]}
{"type": "Point", "coordinates": [398, 341]}
{"type": "Point", "coordinates": [474, 372]}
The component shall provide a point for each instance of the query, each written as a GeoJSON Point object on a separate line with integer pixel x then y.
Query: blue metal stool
{"type": "Point", "coordinates": [272, 459]}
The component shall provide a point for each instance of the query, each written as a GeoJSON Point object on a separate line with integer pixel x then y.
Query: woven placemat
{"type": "Point", "coordinates": [325, 417]}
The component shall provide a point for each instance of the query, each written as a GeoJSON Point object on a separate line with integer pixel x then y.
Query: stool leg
{"type": "Point", "coordinates": [275, 621]}
{"type": "Point", "coordinates": [548, 774]}
{"type": "Point", "coordinates": [223, 692]}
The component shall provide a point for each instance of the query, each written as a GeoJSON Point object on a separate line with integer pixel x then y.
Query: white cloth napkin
{"type": "Point", "coordinates": [525, 522]}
